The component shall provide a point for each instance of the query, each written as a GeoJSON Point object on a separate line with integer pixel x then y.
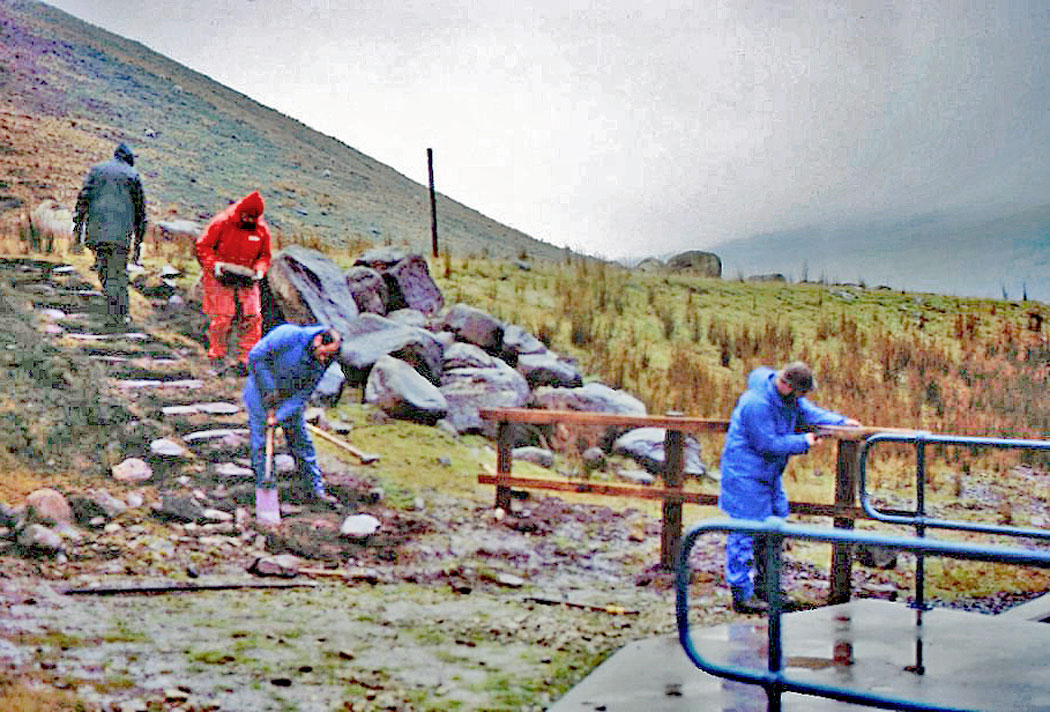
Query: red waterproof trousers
{"type": "Point", "coordinates": [220, 304]}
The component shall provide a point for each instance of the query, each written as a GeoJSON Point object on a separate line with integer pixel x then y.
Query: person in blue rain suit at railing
{"type": "Point", "coordinates": [760, 439]}
{"type": "Point", "coordinates": [284, 368]}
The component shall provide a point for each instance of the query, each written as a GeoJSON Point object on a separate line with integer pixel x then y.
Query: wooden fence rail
{"type": "Point", "coordinates": [844, 511]}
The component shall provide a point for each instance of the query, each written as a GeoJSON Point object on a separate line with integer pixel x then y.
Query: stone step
{"type": "Point", "coordinates": [190, 383]}
{"type": "Point", "coordinates": [214, 408]}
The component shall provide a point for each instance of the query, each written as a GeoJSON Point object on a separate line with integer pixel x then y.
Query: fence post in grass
{"type": "Point", "coordinates": [504, 445]}
{"type": "Point", "coordinates": [433, 205]}
{"type": "Point", "coordinates": [845, 496]}
{"type": "Point", "coordinates": [671, 531]}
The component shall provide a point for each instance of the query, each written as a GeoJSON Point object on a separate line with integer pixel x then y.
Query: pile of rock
{"type": "Point", "coordinates": [419, 360]}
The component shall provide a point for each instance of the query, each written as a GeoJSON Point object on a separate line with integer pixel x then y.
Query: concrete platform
{"type": "Point", "coordinates": [972, 661]}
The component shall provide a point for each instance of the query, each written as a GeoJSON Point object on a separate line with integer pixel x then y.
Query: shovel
{"type": "Point", "coordinates": [267, 504]}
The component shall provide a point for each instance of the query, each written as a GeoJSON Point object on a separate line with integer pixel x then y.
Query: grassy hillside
{"type": "Point", "coordinates": [69, 91]}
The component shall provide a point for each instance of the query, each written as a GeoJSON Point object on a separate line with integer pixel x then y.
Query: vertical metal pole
{"type": "Point", "coordinates": [504, 445]}
{"type": "Point", "coordinates": [845, 496]}
{"type": "Point", "coordinates": [671, 534]}
{"type": "Point", "coordinates": [920, 528]}
{"type": "Point", "coordinates": [773, 549]}
{"type": "Point", "coordinates": [433, 205]}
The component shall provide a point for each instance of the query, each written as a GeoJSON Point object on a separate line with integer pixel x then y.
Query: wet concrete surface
{"type": "Point", "coordinates": [967, 660]}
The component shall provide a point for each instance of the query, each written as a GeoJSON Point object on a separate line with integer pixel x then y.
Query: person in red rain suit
{"type": "Point", "coordinates": [234, 254]}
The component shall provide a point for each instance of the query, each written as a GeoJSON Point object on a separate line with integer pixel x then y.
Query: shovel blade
{"type": "Point", "coordinates": [267, 506]}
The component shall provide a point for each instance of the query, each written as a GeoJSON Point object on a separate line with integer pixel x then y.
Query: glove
{"type": "Point", "coordinates": [259, 274]}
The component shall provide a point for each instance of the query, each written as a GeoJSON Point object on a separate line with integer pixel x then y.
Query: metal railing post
{"type": "Point", "coordinates": [845, 496]}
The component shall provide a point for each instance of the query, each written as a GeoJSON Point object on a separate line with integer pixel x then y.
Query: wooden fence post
{"type": "Point", "coordinates": [504, 445]}
{"type": "Point", "coordinates": [671, 533]}
{"type": "Point", "coordinates": [433, 205]}
{"type": "Point", "coordinates": [846, 478]}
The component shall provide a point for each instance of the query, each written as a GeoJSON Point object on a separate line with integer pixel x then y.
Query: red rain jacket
{"type": "Point", "coordinates": [223, 240]}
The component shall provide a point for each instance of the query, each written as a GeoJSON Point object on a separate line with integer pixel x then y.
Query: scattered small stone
{"type": "Point", "coordinates": [48, 505]}
{"type": "Point", "coordinates": [346, 654]}
{"type": "Point", "coordinates": [359, 526]}
{"type": "Point", "coordinates": [217, 515]}
{"type": "Point", "coordinates": [41, 539]}
{"type": "Point", "coordinates": [132, 469]}
{"type": "Point", "coordinates": [281, 565]}
{"type": "Point", "coordinates": [134, 499]}
{"type": "Point", "coordinates": [233, 471]}
{"type": "Point", "coordinates": [167, 448]}
{"type": "Point", "coordinates": [176, 694]}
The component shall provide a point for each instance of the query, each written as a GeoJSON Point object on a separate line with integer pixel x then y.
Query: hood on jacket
{"type": "Point", "coordinates": [251, 204]}
{"type": "Point", "coordinates": [123, 153]}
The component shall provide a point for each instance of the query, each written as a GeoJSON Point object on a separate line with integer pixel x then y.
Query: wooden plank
{"type": "Point", "coordinates": [656, 492]}
{"type": "Point", "coordinates": [538, 416]}
{"type": "Point", "coordinates": [177, 587]}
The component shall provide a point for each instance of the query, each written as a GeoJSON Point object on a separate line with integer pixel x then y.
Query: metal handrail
{"type": "Point", "coordinates": [918, 519]}
{"type": "Point", "coordinates": [776, 530]}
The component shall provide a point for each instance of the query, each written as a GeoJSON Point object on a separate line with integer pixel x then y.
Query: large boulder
{"type": "Point", "coordinates": [402, 393]}
{"type": "Point", "coordinates": [474, 326]}
{"type": "Point", "coordinates": [518, 342]}
{"type": "Point", "coordinates": [407, 277]}
{"type": "Point", "coordinates": [464, 355]}
{"type": "Point", "coordinates": [697, 262]}
{"type": "Point", "coordinates": [546, 369]}
{"type": "Point", "coordinates": [646, 447]}
{"type": "Point", "coordinates": [370, 337]}
{"type": "Point", "coordinates": [467, 390]}
{"type": "Point", "coordinates": [649, 264]}
{"type": "Point", "coordinates": [330, 388]}
{"type": "Point", "coordinates": [590, 398]}
{"type": "Point", "coordinates": [175, 230]}
{"type": "Point", "coordinates": [308, 288]}
{"type": "Point", "coordinates": [368, 289]}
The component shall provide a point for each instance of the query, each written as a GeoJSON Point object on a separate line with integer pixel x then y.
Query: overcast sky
{"type": "Point", "coordinates": [628, 128]}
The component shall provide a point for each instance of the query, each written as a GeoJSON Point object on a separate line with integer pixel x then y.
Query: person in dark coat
{"type": "Point", "coordinates": [110, 218]}
{"type": "Point", "coordinates": [762, 436]}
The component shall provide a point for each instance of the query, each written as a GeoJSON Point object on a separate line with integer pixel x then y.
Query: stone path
{"type": "Point", "coordinates": [196, 422]}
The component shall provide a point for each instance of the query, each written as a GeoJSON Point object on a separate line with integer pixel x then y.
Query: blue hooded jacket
{"type": "Point", "coordinates": [282, 368]}
{"type": "Point", "coordinates": [761, 437]}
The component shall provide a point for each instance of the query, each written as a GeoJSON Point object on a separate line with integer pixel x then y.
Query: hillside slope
{"type": "Point", "coordinates": [69, 91]}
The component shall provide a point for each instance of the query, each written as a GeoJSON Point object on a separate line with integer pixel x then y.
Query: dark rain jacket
{"type": "Point", "coordinates": [761, 437]}
{"type": "Point", "coordinates": [111, 207]}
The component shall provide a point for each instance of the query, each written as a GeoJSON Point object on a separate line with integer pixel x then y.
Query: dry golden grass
{"type": "Point", "coordinates": [27, 695]}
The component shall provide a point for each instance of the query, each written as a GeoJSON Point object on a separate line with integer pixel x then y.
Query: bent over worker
{"type": "Point", "coordinates": [234, 254]}
{"type": "Point", "coordinates": [760, 439]}
{"type": "Point", "coordinates": [110, 218]}
{"type": "Point", "coordinates": [284, 368]}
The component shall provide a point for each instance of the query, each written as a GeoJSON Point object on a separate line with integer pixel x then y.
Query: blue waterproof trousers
{"type": "Point", "coordinates": [299, 443]}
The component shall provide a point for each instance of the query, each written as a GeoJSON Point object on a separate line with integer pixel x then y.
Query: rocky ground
{"type": "Point", "coordinates": [143, 583]}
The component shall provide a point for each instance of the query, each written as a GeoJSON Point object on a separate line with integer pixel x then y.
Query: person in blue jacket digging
{"type": "Point", "coordinates": [760, 439]}
{"type": "Point", "coordinates": [284, 367]}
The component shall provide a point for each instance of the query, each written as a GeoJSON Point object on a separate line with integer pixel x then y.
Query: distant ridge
{"type": "Point", "coordinates": [70, 90]}
{"type": "Point", "coordinates": [966, 254]}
